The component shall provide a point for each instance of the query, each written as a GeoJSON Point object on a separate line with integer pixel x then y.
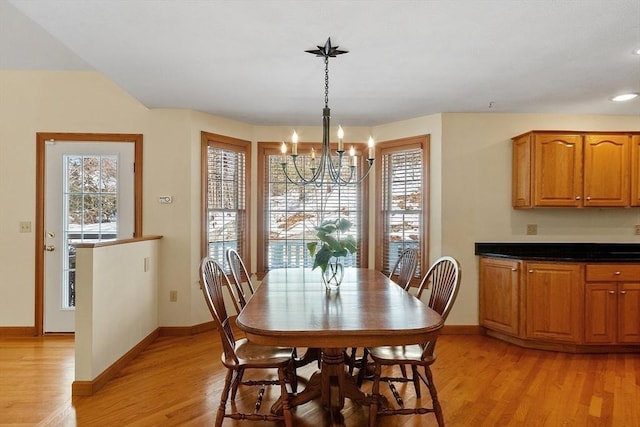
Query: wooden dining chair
{"type": "Point", "coordinates": [401, 273]}
{"type": "Point", "coordinates": [405, 268]}
{"type": "Point", "coordinates": [240, 278]}
{"type": "Point", "coordinates": [444, 279]}
{"type": "Point", "coordinates": [240, 355]}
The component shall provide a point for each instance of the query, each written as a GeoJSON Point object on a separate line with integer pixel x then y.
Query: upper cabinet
{"type": "Point", "coordinates": [576, 169]}
{"type": "Point", "coordinates": [635, 170]}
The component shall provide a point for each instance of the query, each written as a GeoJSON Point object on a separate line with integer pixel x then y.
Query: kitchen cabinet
{"type": "Point", "coordinates": [500, 294]}
{"type": "Point", "coordinates": [575, 169]}
{"type": "Point", "coordinates": [635, 170]}
{"type": "Point", "coordinates": [554, 295]}
{"type": "Point", "coordinates": [606, 170]}
{"type": "Point", "coordinates": [612, 304]}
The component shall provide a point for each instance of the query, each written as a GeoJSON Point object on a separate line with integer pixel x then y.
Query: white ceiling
{"type": "Point", "coordinates": [245, 59]}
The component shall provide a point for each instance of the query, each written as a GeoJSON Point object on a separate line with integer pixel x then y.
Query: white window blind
{"type": "Point", "coordinates": [292, 213]}
{"type": "Point", "coordinates": [225, 198]}
{"type": "Point", "coordinates": [402, 204]}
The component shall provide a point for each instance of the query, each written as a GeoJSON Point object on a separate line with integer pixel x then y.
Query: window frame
{"type": "Point", "coordinates": [266, 149]}
{"type": "Point", "coordinates": [388, 147]}
{"type": "Point", "coordinates": [226, 143]}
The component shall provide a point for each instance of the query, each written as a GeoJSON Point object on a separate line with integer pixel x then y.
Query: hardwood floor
{"type": "Point", "coordinates": [176, 381]}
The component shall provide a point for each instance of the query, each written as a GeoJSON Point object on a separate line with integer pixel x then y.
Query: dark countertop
{"type": "Point", "coordinates": [577, 252]}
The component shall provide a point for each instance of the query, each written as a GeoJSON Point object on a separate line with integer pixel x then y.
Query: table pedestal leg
{"type": "Point", "coordinates": [332, 384]}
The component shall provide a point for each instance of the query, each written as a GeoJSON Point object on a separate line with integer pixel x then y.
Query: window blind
{"type": "Point", "coordinates": [226, 201]}
{"type": "Point", "coordinates": [402, 187]}
{"type": "Point", "coordinates": [292, 212]}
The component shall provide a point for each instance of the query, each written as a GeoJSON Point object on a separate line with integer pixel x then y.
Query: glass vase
{"type": "Point", "coordinates": [333, 274]}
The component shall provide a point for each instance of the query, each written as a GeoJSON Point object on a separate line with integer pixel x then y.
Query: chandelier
{"type": "Point", "coordinates": [326, 168]}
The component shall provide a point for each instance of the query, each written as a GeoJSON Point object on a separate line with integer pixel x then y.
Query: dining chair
{"type": "Point", "coordinates": [240, 355]}
{"type": "Point", "coordinates": [240, 277]}
{"type": "Point", "coordinates": [444, 279]}
{"type": "Point", "coordinates": [401, 273]}
{"type": "Point", "coordinates": [405, 267]}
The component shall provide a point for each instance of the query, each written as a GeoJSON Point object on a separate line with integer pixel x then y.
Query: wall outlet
{"type": "Point", "coordinates": [173, 296]}
{"type": "Point", "coordinates": [25, 227]}
{"type": "Point", "coordinates": [532, 229]}
{"type": "Point", "coordinates": [637, 229]}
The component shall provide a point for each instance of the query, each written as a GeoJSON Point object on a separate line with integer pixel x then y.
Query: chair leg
{"type": "Point", "coordinates": [292, 376]}
{"type": "Point", "coordinates": [416, 379]}
{"type": "Point", "coordinates": [352, 360]}
{"type": "Point", "coordinates": [363, 367]}
{"type": "Point", "coordinates": [434, 396]}
{"type": "Point", "coordinates": [236, 383]}
{"type": "Point", "coordinates": [284, 397]}
{"type": "Point", "coordinates": [403, 370]}
{"type": "Point", "coordinates": [375, 395]}
{"type": "Point", "coordinates": [223, 398]}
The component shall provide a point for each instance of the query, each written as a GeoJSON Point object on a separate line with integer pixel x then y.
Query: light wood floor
{"type": "Point", "coordinates": [177, 380]}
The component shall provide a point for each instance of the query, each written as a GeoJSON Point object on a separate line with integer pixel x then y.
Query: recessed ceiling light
{"type": "Point", "coordinates": [624, 97]}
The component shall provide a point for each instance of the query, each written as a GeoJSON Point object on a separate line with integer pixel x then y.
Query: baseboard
{"type": "Point", "coordinates": [17, 331]}
{"type": "Point", "coordinates": [181, 331]}
{"type": "Point", "coordinates": [462, 330]}
{"type": "Point", "coordinates": [88, 388]}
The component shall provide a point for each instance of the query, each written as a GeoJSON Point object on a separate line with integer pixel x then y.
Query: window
{"type": "Point", "coordinates": [288, 214]}
{"type": "Point", "coordinates": [225, 177]}
{"type": "Point", "coordinates": [403, 201]}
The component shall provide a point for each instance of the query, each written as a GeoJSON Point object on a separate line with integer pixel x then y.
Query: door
{"type": "Point", "coordinates": [89, 197]}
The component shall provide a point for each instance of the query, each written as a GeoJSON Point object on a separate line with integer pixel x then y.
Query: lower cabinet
{"type": "Point", "coordinates": [500, 294]}
{"type": "Point", "coordinates": [612, 304]}
{"type": "Point", "coordinates": [560, 306]}
{"type": "Point", "coordinates": [554, 301]}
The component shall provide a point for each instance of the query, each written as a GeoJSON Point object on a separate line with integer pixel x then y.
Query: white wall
{"type": "Point", "coordinates": [117, 308]}
{"type": "Point", "coordinates": [470, 182]}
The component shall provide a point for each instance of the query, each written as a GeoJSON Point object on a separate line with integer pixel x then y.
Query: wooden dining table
{"type": "Point", "coordinates": [292, 308]}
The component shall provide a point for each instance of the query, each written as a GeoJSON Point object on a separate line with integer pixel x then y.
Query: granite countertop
{"type": "Point", "coordinates": [577, 252]}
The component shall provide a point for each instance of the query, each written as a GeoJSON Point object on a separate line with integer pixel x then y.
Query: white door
{"type": "Point", "coordinates": [89, 197]}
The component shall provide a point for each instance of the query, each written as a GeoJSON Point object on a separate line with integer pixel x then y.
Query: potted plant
{"type": "Point", "coordinates": [333, 244]}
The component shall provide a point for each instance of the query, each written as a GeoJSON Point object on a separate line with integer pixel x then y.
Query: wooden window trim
{"type": "Point", "coordinates": [224, 142]}
{"type": "Point", "coordinates": [388, 147]}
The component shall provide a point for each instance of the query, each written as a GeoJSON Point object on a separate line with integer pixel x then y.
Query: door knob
{"type": "Point", "coordinates": [49, 248]}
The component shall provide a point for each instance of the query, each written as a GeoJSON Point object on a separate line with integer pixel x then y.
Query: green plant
{"type": "Point", "coordinates": [332, 241]}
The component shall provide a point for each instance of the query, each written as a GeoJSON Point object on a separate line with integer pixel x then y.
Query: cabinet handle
{"type": "Point", "coordinates": [578, 197]}
{"type": "Point", "coordinates": [612, 292]}
{"type": "Point", "coordinates": [617, 273]}
{"type": "Point", "coordinates": [514, 269]}
{"type": "Point", "coordinates": [530, 271]}
{"type": "Point", "coordinates": [588, 197]}
{"type": "Point", "coordinates": [623, 292]}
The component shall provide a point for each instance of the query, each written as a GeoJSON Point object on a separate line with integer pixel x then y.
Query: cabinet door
{"type": "Point", "coordinates": [629, 313]}
{"type": "Point", "coordinates": [635, 170]}
{"type": "Point", "coordinates": [606, 170]}
{"type": "Point", "coordinates": [600, 312]}
{"type": "Point", "coordinates": [554, 301]}
{"type": "Point", "coordinates": [521, 171]}
{"type": "Point", "coordinates": [499, 294]}
{"type": "Point", "coordinates": [557, 172]}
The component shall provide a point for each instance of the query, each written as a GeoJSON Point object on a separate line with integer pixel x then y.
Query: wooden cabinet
{"type": "Point", "coordinates": [606, 170]}
{"type": "Point", "coordinates": [500, 294]}
{"type": "Point", "coordinates": [635, 170]}
{"type": "Point", "coordinates": [557, 170]}
{"type": "Point", "coordinates": [612, 304]}
{"type": "Point", "coordinates": [554, 295]}
{"type": "Point", "coordinates": [576, 169]}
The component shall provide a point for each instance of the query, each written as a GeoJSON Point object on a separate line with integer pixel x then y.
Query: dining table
{"type": "Point", "coordinates": [293, 308]}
